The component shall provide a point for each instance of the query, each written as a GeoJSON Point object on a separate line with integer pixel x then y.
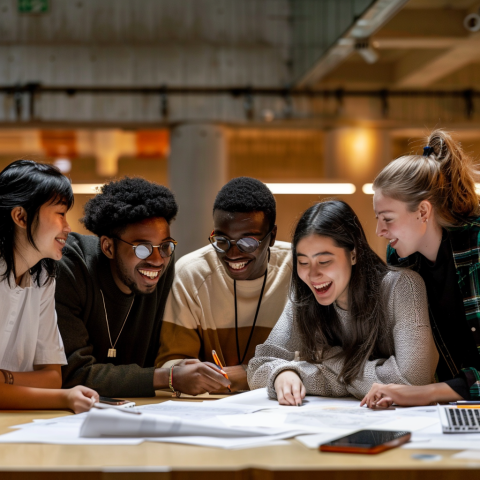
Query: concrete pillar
{"type": "Point", "coordinates": [197, 169]}
{"type": "Point", "coordinates": [357, 155]}
{"type": "Point", "coordinates": [106, 147]}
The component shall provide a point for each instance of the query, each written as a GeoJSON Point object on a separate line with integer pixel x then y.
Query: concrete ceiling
{"type": "Point", "coordinates": [425, 45]}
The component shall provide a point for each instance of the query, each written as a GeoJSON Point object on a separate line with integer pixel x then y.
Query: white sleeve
{"type": "Point", "coordinates": [49, 349]}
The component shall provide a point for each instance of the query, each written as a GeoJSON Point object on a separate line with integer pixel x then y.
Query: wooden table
{"type": "Point", "coordinates": [185, 462]}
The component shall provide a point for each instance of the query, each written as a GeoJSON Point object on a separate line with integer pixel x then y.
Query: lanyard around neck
{"type": "Point", "coordinates": [241, 359]}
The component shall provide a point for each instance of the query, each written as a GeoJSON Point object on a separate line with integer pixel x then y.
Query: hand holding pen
{"type": "Point", "coordinates": [218, 363]}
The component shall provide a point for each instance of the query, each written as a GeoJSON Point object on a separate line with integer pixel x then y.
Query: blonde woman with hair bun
{"type": "Point", "coordinates": [428, 209]}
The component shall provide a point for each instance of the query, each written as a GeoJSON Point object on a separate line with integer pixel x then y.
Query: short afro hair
{"type": "Point", "coordinates": [244, 195]}
{"type": "Point", "coordinates": [126, 201]}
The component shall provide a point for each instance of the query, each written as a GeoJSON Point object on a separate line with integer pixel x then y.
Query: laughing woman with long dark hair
{"type": "Point", "coordinates": [351, 320]}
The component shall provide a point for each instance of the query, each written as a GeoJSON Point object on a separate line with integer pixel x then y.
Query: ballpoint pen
{"type": "Point", "coordinates": [218, 363]}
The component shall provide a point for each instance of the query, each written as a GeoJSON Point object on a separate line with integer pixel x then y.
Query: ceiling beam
{"type": "Point", "coordinates": [422, 68]}
{"type": "Point", "coordinates": [419, 43]}
{"type": "Point", "coordinates": [425, 23]}
{"type": "Point", "coordinates": [364, 27]}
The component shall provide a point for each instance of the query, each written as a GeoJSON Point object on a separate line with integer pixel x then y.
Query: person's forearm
{"type": "Point", "coordinates": [38, 379]}
{"type": "Point", "coordinates": [14, 397]}
{"type": "Point", "coordinates": [441, 393]}
{"type": "Point", "coordinates": [160, 378]}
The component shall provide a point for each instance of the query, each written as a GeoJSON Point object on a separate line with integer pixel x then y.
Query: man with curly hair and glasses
{"type": "Point", "coordinates": [226, 297]}
{"type": "Point", "coordinates": [112, 288]}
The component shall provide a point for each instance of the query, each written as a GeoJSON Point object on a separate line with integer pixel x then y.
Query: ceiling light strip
{"type": "Point", "coordinates": [312, 188]}
{"type": "Point", "coordinates": [86, 188]}
{"type": "Point", "coordinates": [276, 188]}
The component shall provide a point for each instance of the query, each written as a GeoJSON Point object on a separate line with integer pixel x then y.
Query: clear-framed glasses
{"type": "Point", "coordinates": [144, 250]}
{"type": "Point", "coordinates": [245, 244]}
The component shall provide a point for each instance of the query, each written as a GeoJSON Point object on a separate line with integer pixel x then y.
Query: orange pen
{"type": "Point", "coordinates": [218, 363]}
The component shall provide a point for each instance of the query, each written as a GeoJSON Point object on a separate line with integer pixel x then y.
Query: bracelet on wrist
{"type": "Point", "coordinates": [175, 393]}
{"type": "Point", "coordinates": [8, 376]}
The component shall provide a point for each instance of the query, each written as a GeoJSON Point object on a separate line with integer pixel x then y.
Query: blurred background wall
{"type": "Point", "coordinates": [192, 93]}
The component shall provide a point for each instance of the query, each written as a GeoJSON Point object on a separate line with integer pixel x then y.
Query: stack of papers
{"type": "Point", "coordinates": [328, 418]}
{"type": "Point", "coordinates": [240, 421]}
{"type": "Point", "coordinates": [173, 422]}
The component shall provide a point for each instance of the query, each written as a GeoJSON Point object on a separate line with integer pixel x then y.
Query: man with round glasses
{"type": "Point", "coordinates": [228, 295]}
{"type": "Point", "coordinates": [112, 289]}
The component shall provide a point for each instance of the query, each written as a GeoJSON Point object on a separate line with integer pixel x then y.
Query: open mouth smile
{"type": "Point", "coordinates": [237, 266]}
{"type": "Point", "coordinates": [393, 241]}
{"type": "Point", "coordinates": [151, 274]}
{"type": "Point", "coordinates": [322, 288]}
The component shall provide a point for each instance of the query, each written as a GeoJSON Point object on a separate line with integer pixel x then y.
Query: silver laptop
{"type": "Point", "coordinates": [459, 420]}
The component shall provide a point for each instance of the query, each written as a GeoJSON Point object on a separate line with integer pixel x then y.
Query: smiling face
{"type": "Point", "coordinates": [131, 274]}
{"type": "Point", "coordinates": [240, 265]}
{"type": "Point", "coordinates": [405, 230]}
{"type": "Point", "coordinates": [325, 268]}
{"type": "Point", "coordinates": [51, 230]}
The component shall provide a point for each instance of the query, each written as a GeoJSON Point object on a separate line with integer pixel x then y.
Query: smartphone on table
{"type": "Point", "coordinates": [116, 402]}
{"type": "Point", "coordinates": [367, 441]}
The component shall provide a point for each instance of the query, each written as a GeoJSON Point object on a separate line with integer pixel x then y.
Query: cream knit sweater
{"type": "Point", "coordinates": [408, 339]}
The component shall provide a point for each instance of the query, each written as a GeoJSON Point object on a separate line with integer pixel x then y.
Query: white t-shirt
{"type": "Point", "coordinates": [28, 325]}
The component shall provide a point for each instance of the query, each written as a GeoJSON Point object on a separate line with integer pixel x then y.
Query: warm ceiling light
{"type": "Point", "coordinates": [63, 164]}
{"type": "Point", "coordinates": [86, 188]}
{"type": "Point", "coordinates": [368, 189]}
{"type": "Point", "coordinates": [312, 188]}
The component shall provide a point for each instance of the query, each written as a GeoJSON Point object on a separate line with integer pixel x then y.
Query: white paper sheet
{"type": "Point", "coordinates": [441, 445]}
{"type": "Point", "coordinates": [336, 416]}
{"type": "Point", "coordinates": [433, 438]}
{"type": "Point", "coordinates": [259, 419]}
{"type": "Point", "coordinates": [410, 425]}
{"type": "Point", "coordinates": [57, 421]}
{"type": "Point", "coordinates": [228, 443]}
{"type": "Point", "coordinates": [361, 418]}
{"type": "Point", "coordinates": [116, 423]}
{"type": "Point", "coordinates": [61, 436]}
{"type": "Point", "coordinates": [259, 398]}
{"type": "Point", "coordinates": [203, 411]}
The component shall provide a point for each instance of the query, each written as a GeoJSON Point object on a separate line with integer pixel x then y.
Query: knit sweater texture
{"type": "Point", "coordinates": [407, 338]}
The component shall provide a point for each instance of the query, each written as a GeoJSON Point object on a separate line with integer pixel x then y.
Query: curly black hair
{"type": "Point", "coordinates": [127, 201]}
{"type": "Point", "coordinates": [245, 194]}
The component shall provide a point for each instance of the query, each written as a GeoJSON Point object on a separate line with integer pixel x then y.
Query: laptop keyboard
{"type": "Point", "coordinates": [460, 419]}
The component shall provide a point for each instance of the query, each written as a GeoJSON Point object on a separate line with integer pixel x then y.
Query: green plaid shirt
{"type": "Point", "coordinates": [465, 241]}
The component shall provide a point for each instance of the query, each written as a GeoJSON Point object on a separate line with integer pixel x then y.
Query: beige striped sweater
{"type": "Point", "coordinates": [200, 314]}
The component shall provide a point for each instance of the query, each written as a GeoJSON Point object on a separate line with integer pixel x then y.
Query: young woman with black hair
{"type": "Point", "coordinates": [34, 200]}
{"type": "Point", "coordinates": [428, 208]}
{"type": "Point", "coordinates": [351, 320]}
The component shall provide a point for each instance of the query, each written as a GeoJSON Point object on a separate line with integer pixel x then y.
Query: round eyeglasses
{"type": "Point", "coordinates": [144, 250]}
{"type": "Point", "coordinates": [245, 244]}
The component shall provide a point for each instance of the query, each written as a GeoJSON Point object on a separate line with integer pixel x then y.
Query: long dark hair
{"type": "Point", "coordinates": [319, 326]}
{"type": "Point", "coordinates": [28, 184]}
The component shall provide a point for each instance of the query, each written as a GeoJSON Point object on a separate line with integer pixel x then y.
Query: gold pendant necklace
{"type": "Point", "coordinates": [112, 352]}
